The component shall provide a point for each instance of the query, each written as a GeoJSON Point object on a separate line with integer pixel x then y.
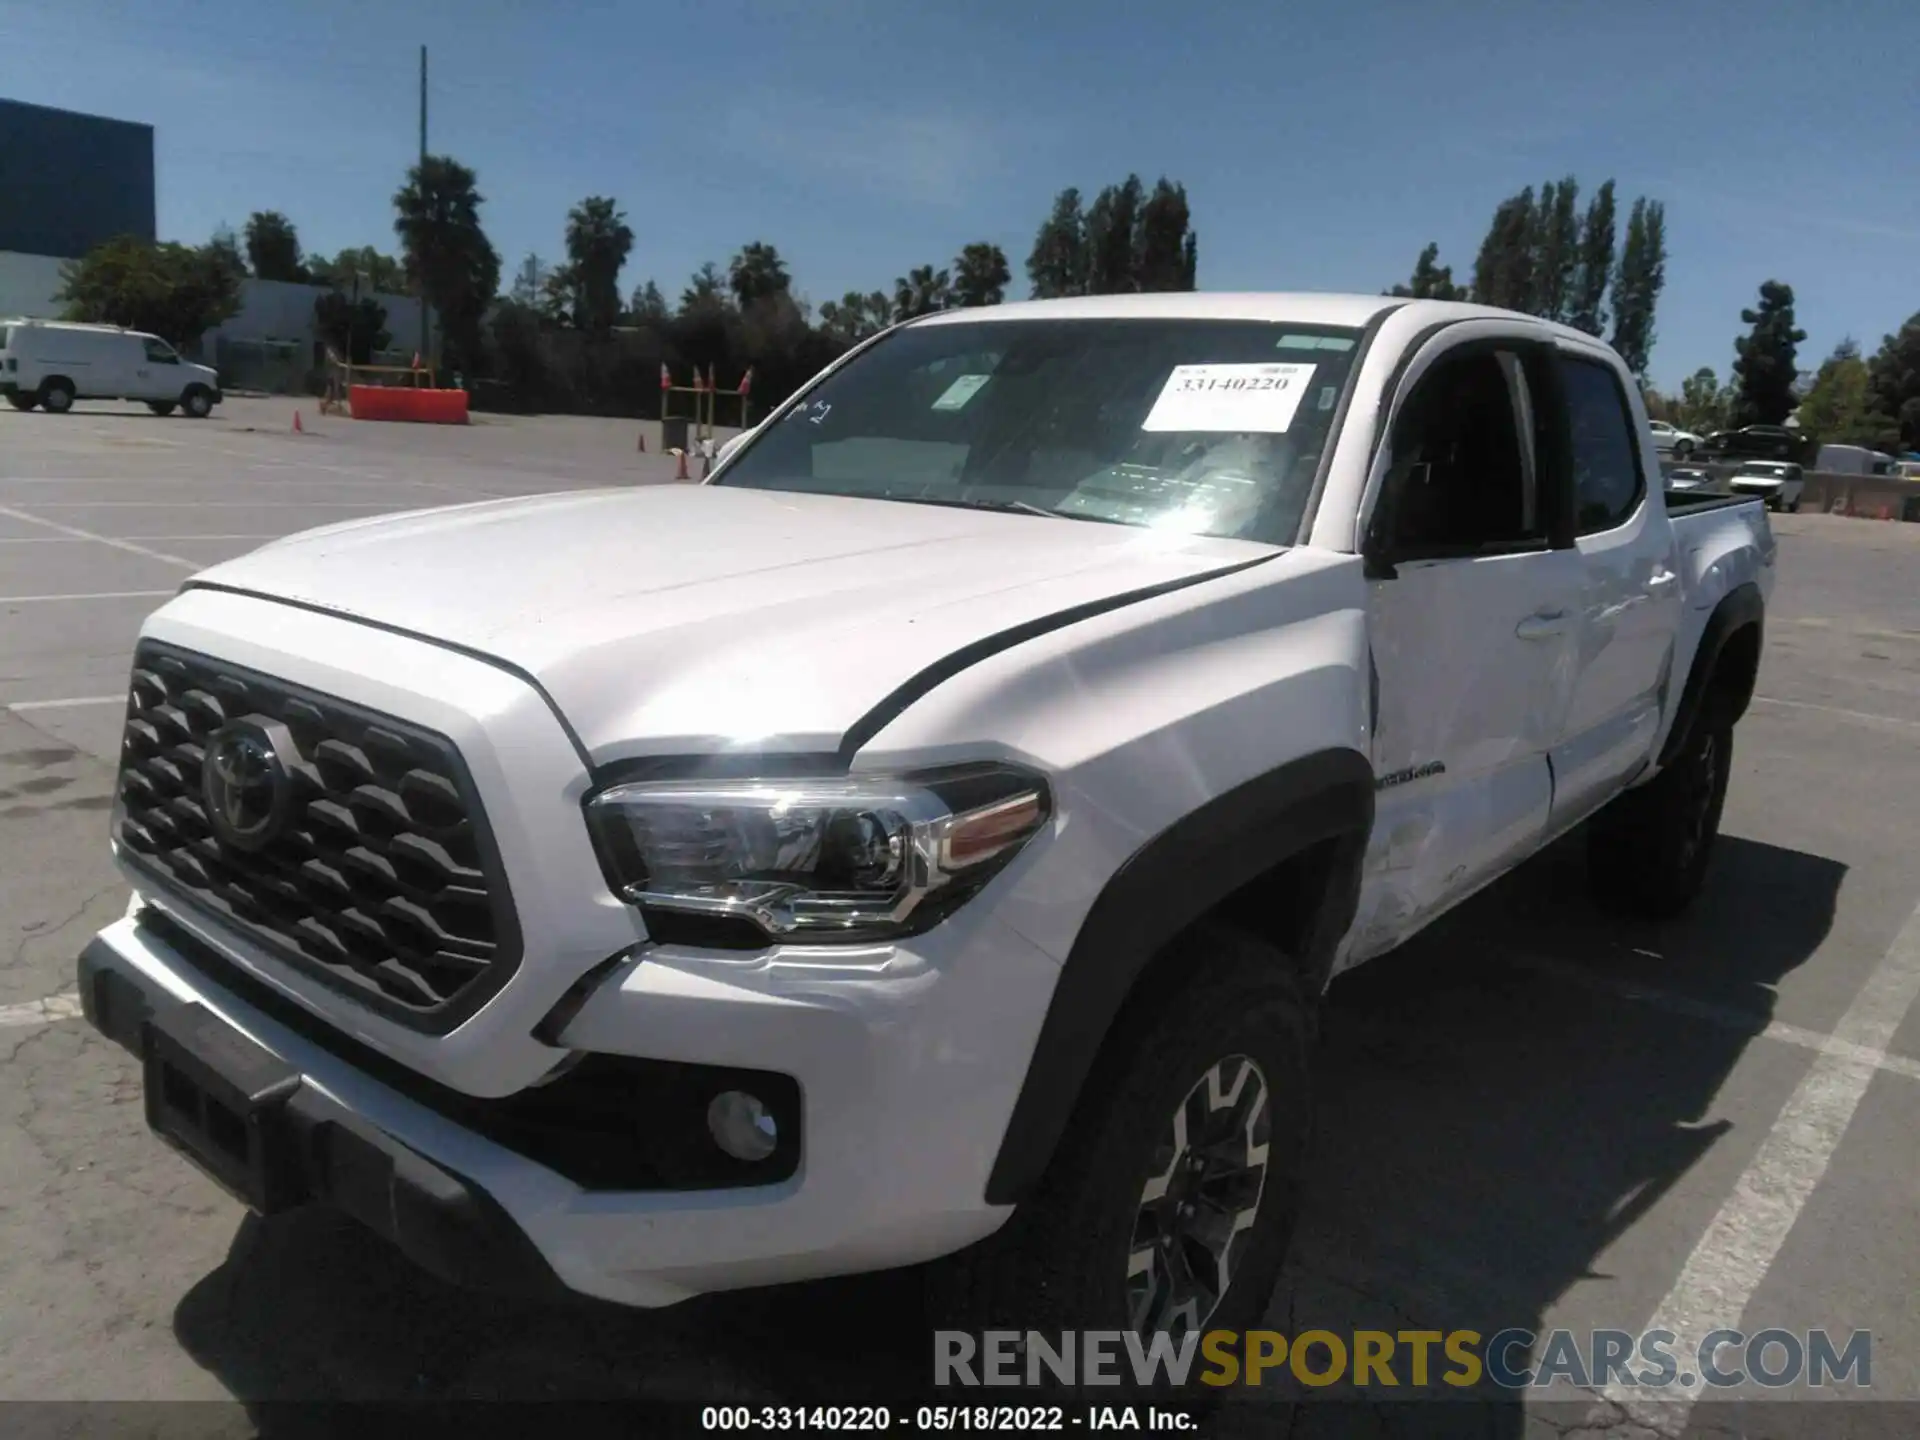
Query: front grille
{"type": "Point", "coordinates": [381, 878]}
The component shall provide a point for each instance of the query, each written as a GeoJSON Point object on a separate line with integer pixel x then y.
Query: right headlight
{"type": "Point", "coordinates": [816, 859]}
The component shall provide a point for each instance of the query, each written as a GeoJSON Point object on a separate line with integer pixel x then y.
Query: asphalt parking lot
{"type": "Point", "coordinates": [1533, 1117]}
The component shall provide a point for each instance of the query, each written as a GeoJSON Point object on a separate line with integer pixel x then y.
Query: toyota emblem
{"type": "Point", "coordinates": [245, 782]}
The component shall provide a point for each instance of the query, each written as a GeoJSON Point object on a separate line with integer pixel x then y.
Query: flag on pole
{"type": "Point", "coordinates": [666, 377]}
{"type": "Point", "coordinates": [746, 380]}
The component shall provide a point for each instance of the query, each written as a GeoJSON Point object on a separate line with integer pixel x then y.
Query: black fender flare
{"type": "Point", "coordinates": [1170, 882]}
{"type": "Point", "coordinates": [1741, 607]}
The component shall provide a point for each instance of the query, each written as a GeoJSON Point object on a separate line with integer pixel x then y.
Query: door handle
{"type": "Point", "coordinates": [1542, 625]}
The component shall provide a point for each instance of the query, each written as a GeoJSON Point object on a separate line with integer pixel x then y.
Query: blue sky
{"type": "Point", "coordinates": [1321, 146]}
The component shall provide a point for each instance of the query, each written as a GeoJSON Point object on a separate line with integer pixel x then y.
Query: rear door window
{"type": "Point", "coordinates": [1608, 485]}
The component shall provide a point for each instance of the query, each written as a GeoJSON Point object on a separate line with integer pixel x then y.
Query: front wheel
{"type": "Point", "coordinates": [1683, 450]}
{"type": "Point", "coordinates": [1647, 851]}
{"type": "Point", "coordinates": [21, 401]}
{"type": "Point", "coordinates": [161, 407]}
{"type": "Point", "coordinates": [1170, 1203]}
{"type": "Point", "coordinates": [197, 402]}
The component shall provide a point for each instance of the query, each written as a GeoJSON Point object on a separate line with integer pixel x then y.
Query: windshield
{"type": "Point", "coordinates": [1203, 426]}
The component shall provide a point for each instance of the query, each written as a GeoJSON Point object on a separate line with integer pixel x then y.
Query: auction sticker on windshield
{"type": "Point", "coordinates": [1231, 399]}
{"type": "Point", "coordinates": [962, 390]}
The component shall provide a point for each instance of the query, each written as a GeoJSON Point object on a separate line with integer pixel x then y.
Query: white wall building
{"type": "Point", "coordinates": [271, 343]}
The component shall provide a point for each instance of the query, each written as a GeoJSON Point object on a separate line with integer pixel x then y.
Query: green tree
{"type": "Point", "coordinates": [448, 255]}
{"type": "Point", "coordinates": [648, 306]}
{"type": "Point", "coordinates": [1556, 250]}
{"type": "Point", "coordinates": [1764, 369]}
{"type": "Point", "coordinates": [559, 298]}
{"type": "Point", "coordinates": [1704, 403]}
{"type": "Point", "coordinates": [757, 273]}
{"type": "Point", "coordinates": [1430, 280]}
{"type": "Point", "coordinates": [1593, 268]}
{"type": "Point", "coordinates": [1894, 374]}
{"type": "Point", "coordinates": [980, 275]}
{"type": "Point", "coordinates": [1503, 270]}
{"type": "Point", "coordinates": [529, 281]}
{"type": "Point", "coordinates": [353, 270]}
{"type": "Point", "coordinates": [854, 317]}
{"type": "Point", "coordinates": [1839, 405]}
{"type": "Point", "coordinates": [921, 292]}
{"type": "Point", "coordinates": [598, 243]}
{"type": "Point", "coordinates": [1165, 248]}
{"type": "Point", "coordinates": [1638, 282]}
{"type": "Point", "coordinates": [1112, 226]}
{"type": "Point", "coordinates": [177, 292]}
{"type": "Point", "coordinates": [273, 247]}
{"type": "Point", "coordinates": [1057, 265]}
{"type": "Point", "coordinates": [352, 328]}
{"type": "Point", "coordinates": [706, 291]}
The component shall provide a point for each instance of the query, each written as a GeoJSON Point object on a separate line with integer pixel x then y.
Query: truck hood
{"type": "Point", "coordinates": [680, 619]}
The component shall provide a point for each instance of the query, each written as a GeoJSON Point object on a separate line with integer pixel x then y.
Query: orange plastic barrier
{"type": "Point", "coordinates": [406, 402]}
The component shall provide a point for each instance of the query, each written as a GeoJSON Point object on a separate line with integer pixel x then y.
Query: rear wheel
{"type": "Point", "coordinates": [1170, 1203]}
{"type": "Point", "coordinates": [20, 401]}
{"type": "Point", "coordinates": [57, 396]}
{"type": "Point", "coordinates": [197, 402]}
{"type": "Point", "coordinates": [161, 407]}
{"type": "Point", "coordinates": [1647, 851]}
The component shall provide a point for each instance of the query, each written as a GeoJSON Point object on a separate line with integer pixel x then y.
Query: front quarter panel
{"type": "Point", "coordinates": [1142, 716]}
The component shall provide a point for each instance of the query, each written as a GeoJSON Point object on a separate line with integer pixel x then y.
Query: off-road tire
{"type": "Point", "coordinates": [1061, 1261]}
{"type": "Point", "coordinates": [1648, 850]}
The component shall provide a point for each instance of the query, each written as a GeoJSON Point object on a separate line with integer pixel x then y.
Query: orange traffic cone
{"type": "Point", "coordinates": [296, 424]}
{"type": "Point", "coordinates": [681, 473]}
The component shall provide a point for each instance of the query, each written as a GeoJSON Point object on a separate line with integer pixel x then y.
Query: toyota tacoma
{"type": "Point", "coordinates": [924, 843]}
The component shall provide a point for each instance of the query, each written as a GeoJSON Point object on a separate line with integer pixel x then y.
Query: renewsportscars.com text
{"type": "Point", "coordinates": [1513, 1359]}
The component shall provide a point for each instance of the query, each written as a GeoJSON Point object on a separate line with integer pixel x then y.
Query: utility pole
{"type": "Point", "coordinates": [426, 352]}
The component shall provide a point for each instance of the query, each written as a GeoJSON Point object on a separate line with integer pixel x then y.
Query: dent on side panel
{"type": "Point", "coordinates": [1141, 717]}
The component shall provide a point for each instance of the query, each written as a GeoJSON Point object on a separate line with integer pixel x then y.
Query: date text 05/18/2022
{"type": "Point", "coordinates": [937, 1419]}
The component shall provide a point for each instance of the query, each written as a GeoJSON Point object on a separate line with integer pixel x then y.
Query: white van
{"type": "Point", "coordinates": [1853, 460]}
{"type": "Point", "coordinates": [52, 363]}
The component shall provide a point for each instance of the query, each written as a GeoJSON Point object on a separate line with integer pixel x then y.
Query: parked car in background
{"type": "Point", "coordinates": [52, 363]}
{"type": "Point", "coordinates": [1689, 479]}
{"type": "Point", "coordinates": [1779, 485]}
{"type": "Point", "coordinates": [1755, 442]}
{"type": "Point", "coordinates": [1671, 440]}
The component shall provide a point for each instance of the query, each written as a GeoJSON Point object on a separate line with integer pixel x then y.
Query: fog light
{"type": "Point", "coordinates": [741, 1126]}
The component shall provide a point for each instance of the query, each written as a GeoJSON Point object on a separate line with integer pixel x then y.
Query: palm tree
{"type": "Point", "coordinates": [598, 243]}
{"type": "Point", "coordinates": [756, 273]}
{"type": "Point", "coordinates": [437, 217]}
{"type": "Point", "coordinates": [920, 292]}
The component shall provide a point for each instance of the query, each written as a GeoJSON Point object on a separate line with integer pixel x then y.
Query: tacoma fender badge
{"type": "Point", "coordinates": [1412, 772]}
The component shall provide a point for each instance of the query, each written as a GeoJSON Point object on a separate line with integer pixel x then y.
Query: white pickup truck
{"type": "Point", "coordinates": [927, 840]}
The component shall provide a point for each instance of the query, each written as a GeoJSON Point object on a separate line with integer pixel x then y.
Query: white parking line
{"type": "Point", "coordinates": [95, 595]}
{"type": "Point", "coordinates": [1743, 1240]}
{"type": "Point", "coordinates": [26, 705]}
{"type": "Point", "coordinates": [41, 1012]}
{"type": "Point", "coordinates": [1726, 1017]}
{"type": "Point", "coordinates": [75, 532]}
{"type": "Point", "coordinates": [1836, 710]}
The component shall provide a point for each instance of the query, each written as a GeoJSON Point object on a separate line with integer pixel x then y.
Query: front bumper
{"type": "Point", "coordinates": [325, 1154]}
{"type": "Point", "coordinates": [907, 1076]}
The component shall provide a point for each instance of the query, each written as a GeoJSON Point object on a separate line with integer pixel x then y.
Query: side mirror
{"type": "Point", "coordinates": [730, 446]}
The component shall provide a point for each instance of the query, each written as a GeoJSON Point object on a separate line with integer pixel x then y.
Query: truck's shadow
{"type": "Point", "coordinates": [1491, 1119]}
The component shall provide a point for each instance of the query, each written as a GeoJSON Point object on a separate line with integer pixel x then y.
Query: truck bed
{"type": "Point", "coordinates": [1693, 502]}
